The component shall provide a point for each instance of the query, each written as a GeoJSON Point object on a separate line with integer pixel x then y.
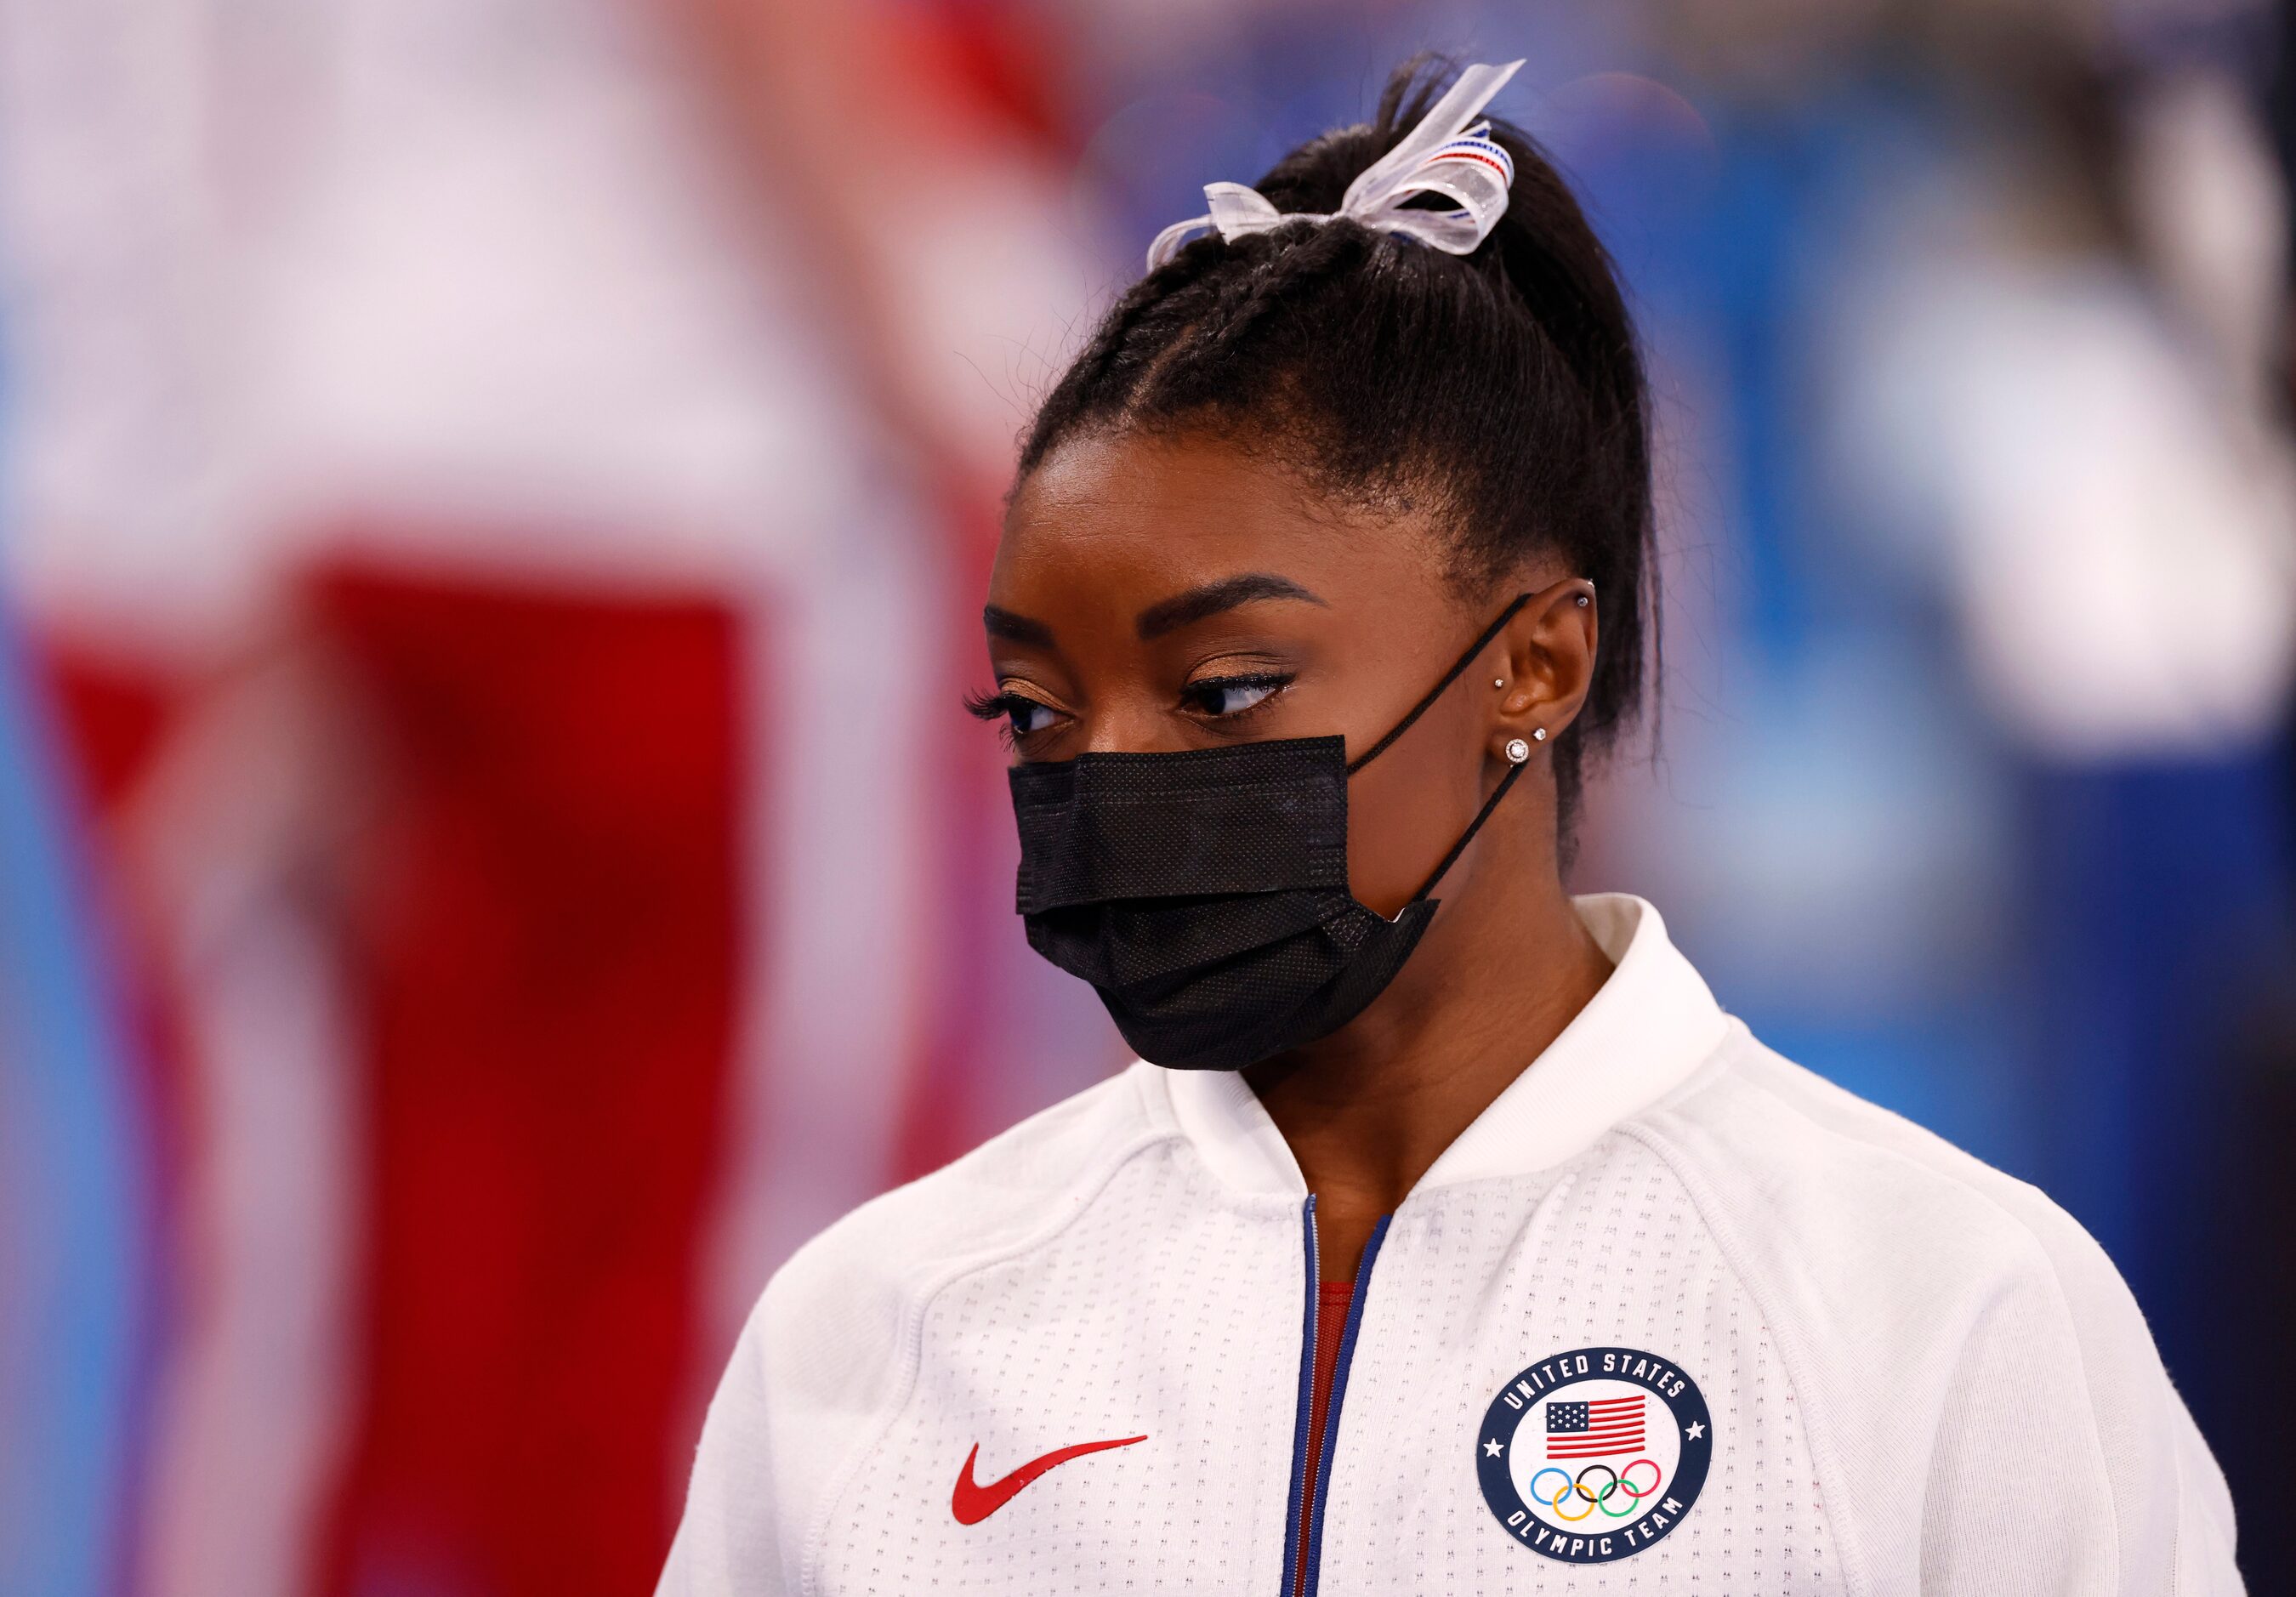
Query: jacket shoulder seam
{"type": "Point", "coordinates": [1684, 1168]}
{"type": "Point", "coordinates": [1816, 1423]}
{"type": "Point", "coordinates": [917, 1301]}
{"type": "Point", "coordinates": [2030, 1237]}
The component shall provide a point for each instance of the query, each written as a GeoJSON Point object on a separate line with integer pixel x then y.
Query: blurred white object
{"type": "Point", "coordinates": [2114, 526]}
{"type": "Point", "coordinates": [2212, 213]}
{"type": "Point", "coordinates": [116, 506]}
{"type": "Point", "coordinates": [509, 300]}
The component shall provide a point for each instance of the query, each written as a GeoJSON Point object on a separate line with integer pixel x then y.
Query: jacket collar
{"type": "Point", "coordinates": [1652, 1024]}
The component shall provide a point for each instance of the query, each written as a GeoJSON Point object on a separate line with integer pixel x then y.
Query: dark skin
{"type": "Point", "coordinates": [1162, 593]}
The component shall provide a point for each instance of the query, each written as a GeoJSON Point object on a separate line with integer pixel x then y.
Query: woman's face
{"type": "Point", "coordinates": [1166, 594]}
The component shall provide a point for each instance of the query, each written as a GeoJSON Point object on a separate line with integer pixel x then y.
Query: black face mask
{"type": "Point", "coordinates": [1204, 892]}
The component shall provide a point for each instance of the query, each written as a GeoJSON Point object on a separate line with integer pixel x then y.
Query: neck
{"type": "Point", "coordinates": [1367, 1110]}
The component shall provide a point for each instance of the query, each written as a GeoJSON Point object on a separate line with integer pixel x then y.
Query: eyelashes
{"type": "Point", "coordinates": [1017, 713]}
{"type": "Point", "coordinates": [988, 707]}
{"type": "Point", "coordinates": [1226, 700]}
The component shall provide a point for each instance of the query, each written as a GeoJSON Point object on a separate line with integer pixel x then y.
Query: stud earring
{"type": "Point", "coordinates": [1498, 681]}
{"type": "Point", "coordinates": [1517, 751]}
{"type": "Point", "coordinates": [1539, 734]}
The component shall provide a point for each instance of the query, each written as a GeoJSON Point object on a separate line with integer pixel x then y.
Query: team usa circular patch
{"type": "Point", "coordinates": [1594, 1454]}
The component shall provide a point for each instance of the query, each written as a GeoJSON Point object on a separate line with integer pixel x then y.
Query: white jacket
{"type": "Point", "coordinates": [1674, 1315]}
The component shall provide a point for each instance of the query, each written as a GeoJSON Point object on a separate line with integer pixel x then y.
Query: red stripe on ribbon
{"type": "Point", "coordinates": [1470, 155]}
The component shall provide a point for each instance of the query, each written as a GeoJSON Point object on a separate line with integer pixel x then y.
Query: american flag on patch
{"type": "Point", "coordinates": [1594, 1430]}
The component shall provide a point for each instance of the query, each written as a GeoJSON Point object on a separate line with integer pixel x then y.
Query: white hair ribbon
{"type": "Point", "coordinates": [1443, 155]}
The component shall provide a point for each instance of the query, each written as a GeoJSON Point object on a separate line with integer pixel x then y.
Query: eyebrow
{"type": "Point", "coordinates": [1019, 629]}
{"type": "Point", "coordinates": [1199, 604]}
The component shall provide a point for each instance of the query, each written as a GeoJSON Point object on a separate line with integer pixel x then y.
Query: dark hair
{"type": "Point", "coordinates": [1502, 391]}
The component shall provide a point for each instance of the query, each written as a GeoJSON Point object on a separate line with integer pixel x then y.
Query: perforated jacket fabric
{"type": "Point", "coordinates": [1909, 1373]}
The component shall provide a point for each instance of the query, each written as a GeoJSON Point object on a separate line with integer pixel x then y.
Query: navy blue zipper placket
{"type": "Point", "coordinates": [1293, 1566]}
{"type": "Point", "coordinates": [1306, 1412]}
{"type": "Point", "coordinates": [1332, 1401]}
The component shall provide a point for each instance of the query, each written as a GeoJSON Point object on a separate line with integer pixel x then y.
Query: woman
{"type": "Point", "coordinates": [1436, 1245]}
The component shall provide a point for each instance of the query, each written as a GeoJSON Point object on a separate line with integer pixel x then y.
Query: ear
{"type": "Point", "coordinates": [1546, 663]}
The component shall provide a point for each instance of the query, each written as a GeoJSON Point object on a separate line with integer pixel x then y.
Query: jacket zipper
{"type": "Point", "coordinates": [1300, 1574]}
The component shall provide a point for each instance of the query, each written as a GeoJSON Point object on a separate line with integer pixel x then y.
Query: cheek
{"type": "Point", "coordinates": [1407, 808]}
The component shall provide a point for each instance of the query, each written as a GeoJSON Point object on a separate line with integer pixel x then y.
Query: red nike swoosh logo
{"type": "Point", "coordinates": [973, 1502]}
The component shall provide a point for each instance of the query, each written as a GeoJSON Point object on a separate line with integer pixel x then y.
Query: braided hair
{"type": "Point", "coordinates": [1501, 392]}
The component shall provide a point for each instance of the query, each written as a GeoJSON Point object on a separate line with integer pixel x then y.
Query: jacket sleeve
{"type": "Point", "coordinates": [2064, 1462]}
{"type": "Point", "coordinates": [1988, 1415]}
{"type": "Point", "coordinates": [811, 1374]}
{"type": "Point", "coordinates": [731, 1539]}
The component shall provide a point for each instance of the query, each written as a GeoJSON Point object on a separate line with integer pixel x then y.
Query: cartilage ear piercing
{"type": "Point", "coordinates": [1539, 734]}
{"type": "Point", "coordinates": [1517, 751]}
{"type": "Point", "coordinates": [1498, 681]}
{"type": "Point", "coordinates": [1582, 602]}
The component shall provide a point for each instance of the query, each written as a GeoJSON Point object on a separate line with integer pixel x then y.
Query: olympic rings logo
{"type": "Point", "coordinates": [1620, 1481]}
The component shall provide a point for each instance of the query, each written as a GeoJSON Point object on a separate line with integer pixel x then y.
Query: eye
{"type": "Point", "coordinates": [1021, 715]}
{"type": "Point", "coordinates": [1025, 715]}
{"type": "Point", "coordinates": [1220, 696]}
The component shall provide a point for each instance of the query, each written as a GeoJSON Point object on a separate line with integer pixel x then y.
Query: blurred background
{"type": "Point", "coordinates": [495, 497]}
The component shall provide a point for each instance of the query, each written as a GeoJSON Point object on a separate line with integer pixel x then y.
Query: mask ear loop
{"type": "Point", "coordinates": [1450, 676]}
{"type": "Point", "coordinates": [1468, 836]}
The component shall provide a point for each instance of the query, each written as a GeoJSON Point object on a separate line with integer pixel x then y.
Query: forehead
{"type": "Point", "coordinates": [1126, 517]}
